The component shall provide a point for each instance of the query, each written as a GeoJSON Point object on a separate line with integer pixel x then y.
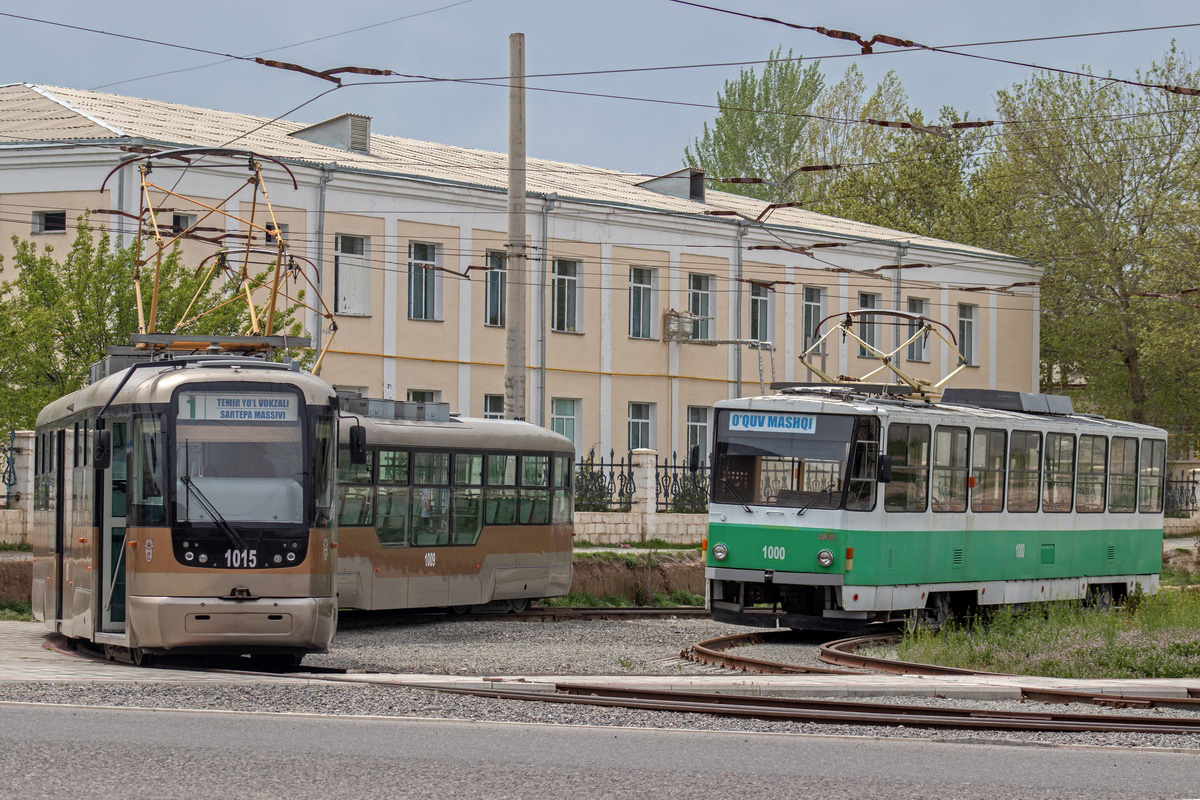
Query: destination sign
{"type": "Point", "coordinates": [237, 407]}
{"type": "Point", "coordinates": [772, 423]}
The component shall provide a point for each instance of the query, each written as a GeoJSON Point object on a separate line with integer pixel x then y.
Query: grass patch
{"type": "Point", "coordinates": [678, 597]}
{"type": "Point", "coordinates": [16, 612]}
{"type": "Point", "coordinates": [584, 600]}
{"type": "Point", "coordinates": [649, 544]}
{"type": "Point", "coordinates": [21, 547]}
{"type": "Point", "coordinates": [1152, 636]}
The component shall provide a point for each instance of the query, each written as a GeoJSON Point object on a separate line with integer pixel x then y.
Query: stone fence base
{"type": "Point", "coordinates": [1179, 527]}
{"type": "Point", "coordinates": [12, 527]}
{"type": "Point", "coordinates": [614, 527]}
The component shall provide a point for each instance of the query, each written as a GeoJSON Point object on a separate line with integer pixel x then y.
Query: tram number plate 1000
{"type": "Point", "coordinates": [241, 559]}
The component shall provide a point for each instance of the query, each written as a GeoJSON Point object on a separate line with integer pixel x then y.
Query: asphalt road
{"type": "Point", "coordinates": [49, 751]}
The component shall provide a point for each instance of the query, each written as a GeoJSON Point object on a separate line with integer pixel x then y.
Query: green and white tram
{"type": "Point", "coordinates": [833, 507]}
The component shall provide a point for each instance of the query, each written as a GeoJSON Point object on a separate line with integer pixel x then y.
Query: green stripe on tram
{"type": "Point", "coordinates": [884, 558]}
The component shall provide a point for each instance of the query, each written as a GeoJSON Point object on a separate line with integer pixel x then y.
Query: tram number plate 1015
{"type": "Point", "coordinates": [241, 559]}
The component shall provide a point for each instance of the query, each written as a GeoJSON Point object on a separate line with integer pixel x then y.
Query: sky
{"type": "Point", "coordinates": [469, 39]}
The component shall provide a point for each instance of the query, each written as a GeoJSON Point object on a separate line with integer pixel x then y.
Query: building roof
{"type": "Point", "coordinates": [30, 113]}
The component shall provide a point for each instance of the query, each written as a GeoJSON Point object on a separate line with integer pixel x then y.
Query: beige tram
{"type": "Point", "coordinates": [452, 512]}
{"type": "Point", "coordinates": [185, 505]}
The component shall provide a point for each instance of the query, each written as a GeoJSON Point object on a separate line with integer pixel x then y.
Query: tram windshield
{"type": "Point", "coordinates": [794, 460]}
{"type": "Point", "coordinates": [239, 457]}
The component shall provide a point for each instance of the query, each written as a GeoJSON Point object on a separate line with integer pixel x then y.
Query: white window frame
{"type": "Point", "coordinates": [42, 222]}
{"type": "Point", "coordinates": [762, 313]}
{"type": "Point", "coordinates": [565, 418]}
{"type": "Point", "coordinates": [868, 326]}
{"type": "Point", "coordinates": [495, 288]}
{"type": "Point", "coordinates": [491, 408]}
{"type": "Point", "coordinates": [566, 307]}
{"type": "Point", "coordinates": [642, 302]}
{"type": "Point", "coordinates": [352, 275]}
{"type": "Point", "coordinates": [701, 305]}
{"type": "Point", "coordinates": [697, 432]}
{"type": "Point", "coordinates": [918, 351]}
{"type": "Point", "coordinates": [814, 301]}
{"type": "Point", "coordinates": [273, 232]}
{"type": "Point", "coordinates": [425, 281]}
{"type": "Point", "coordinates": [644, 425]}
{"type": "Point", "coordinates": [424, 395]}
{"type": "Point", "coordinates": [182, 222]}
{"type": "Point", "coordinates": [968, 332]}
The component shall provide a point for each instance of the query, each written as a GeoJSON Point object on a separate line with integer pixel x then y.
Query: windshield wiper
{"type": "Point", "coordinates": [208, 506]}
{"type": "Point", "coordinates": [738, 495]}
{"type": "Point", "coordinates": [826, 492]}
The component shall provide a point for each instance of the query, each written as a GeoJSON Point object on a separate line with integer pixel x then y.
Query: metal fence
{"type": "Point", "coordinates": [604, 485]}
{"type": "Point", "coordinates": [679, 489]}
{"type": "Point", "coordinates": [1181, 500]}
{"type": "Point", "coordinates": [8, 470]}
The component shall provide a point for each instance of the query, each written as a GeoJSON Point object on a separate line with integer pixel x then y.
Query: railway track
{"type": "Point", "coordinates": [358, 619]}
{"type": "Point", "coordinates": [844, 652]}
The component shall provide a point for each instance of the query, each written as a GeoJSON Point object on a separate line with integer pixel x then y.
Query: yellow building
{"type": "Point", "coordinates": [406, 240]}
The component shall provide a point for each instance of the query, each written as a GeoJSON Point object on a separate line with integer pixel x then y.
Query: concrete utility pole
{"type": "Point", "coordinates": [515, 354]}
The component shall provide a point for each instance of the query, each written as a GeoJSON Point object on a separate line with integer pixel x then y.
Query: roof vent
{"type": "Point", "coordinates": [1010, 401]}
{"type": "Point", "coordinates": [347, 132]}
{"type": "Point", "coordinates": [687, 183]}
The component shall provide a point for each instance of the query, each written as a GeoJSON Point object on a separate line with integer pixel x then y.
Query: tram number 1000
{"type": "Point", "coordinates": [241, 559]}
{"type": "Point", "coordinates": [772, 553]}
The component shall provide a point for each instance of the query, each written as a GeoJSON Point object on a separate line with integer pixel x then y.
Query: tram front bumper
{"type": "Point", "coordinates": [214, 624]}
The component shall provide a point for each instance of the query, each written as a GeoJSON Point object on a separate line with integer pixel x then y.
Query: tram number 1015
{"type": "Point", "coordinates": [772, 553]}
{"type": "Point", "coordinates": [241, 559]}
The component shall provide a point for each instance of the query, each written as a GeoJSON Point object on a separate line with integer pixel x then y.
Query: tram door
{"type": "Point", "coordinates": [58, 490]}
{"type": "Point", "coordinates": [114, 485]}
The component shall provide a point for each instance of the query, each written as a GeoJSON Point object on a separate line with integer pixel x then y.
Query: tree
{"type": "Point", "coordinates": [761, 129]}
{"type": "Point", "coordinates": [59, 317]}
{"type": "Point", "coordinates": [1101, 183]}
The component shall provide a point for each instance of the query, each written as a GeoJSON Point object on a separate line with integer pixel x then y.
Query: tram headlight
{"type": "Point", "coordinates": [278, 558]}
{"type": "Point", "coordinates": [825, 558]}
{"type": "Point", "coordinates": [189, 556]}
{"type": "Point", "coordinates": [720, 551]}
{"type": "Point", "coordinates": [203, 558]}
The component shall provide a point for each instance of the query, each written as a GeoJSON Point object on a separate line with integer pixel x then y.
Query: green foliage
{"type": "Point", "coordinates": [16, 612]}
{"type": "Point", "coordinates": [677, 597]}
{"type": "Point", "coordinates": [1151, 636]}
{"type": "Point", "coordinates": [585, 600]}
{"type": "Point", "coordinates": [19, 547]}
{"type": "Point", "coordinates": [57, 317]}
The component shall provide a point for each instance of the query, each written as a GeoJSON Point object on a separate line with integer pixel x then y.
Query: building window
{"type": "Point", "coordinates": [493, 406]}
{"type": "Point", "coordinates": [49, 221]}
{"type": "Point", "coordinates": [967, 321]}
{"type": "Point", "coordinates": [424, 301]}
{"type": "Point", "coordinates": [564, 418]}
{"type": "Point", "coordinates": [761, 316]}
{"type": "Point", "coordinates": [274, 232]}
{"type": "Point", "coordinates": [424, 395]}
{"type": "Point", "coordinates": [641, 425]}
{"type": "Point", "coordinates": [814, 312]}
{"type": "Point", "coordinates": [565, 312]}
{"type": "Point", "coordinates": [918, 350]}
{"type": "Point", "coordinates": [641, 303]}
{"type": "Point", "coordinates": [697, 433]}
{"type": "Point", "coordinates": [495, 288]}
{"type": "Point", "coordinates": [868, 325]}
{"type": "Point", "coordinates": [181, 222]}
{"type": "Point", "coordinates": [700, 304]}
{"type": "Point", "coordinates": [351, 275]}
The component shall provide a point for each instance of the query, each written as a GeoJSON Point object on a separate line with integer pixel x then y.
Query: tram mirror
{"type": "Point", "coordinates": [102, 449]}
{"type": "Point", "coordinates": [694, 459]}
{"type": "Point", "coordinates": [884, 474]}
{"type": "Point", "coordinates": [358, 444]}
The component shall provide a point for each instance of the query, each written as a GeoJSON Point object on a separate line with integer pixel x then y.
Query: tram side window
{"type": "Point", "coordinates": [1093, 474]}
{"type": "Point", "coordinates": [1122, 475]}
{"type": "Point", "coordinates": [951, 467]}
{"type": "Point", "coordinates": [355, 494]}
{"type": "Point", "coordinates": [322, 467]}
{"type": "Point", "coordinates": [146, 478]}
{"type": "Point", "coordinates": [864, 466]}
{"type": "Point", "coordinates": [431, 499]}
{"type": "Point", "coordinates": [468, 497]}
{"type": "Point", "coordinates": [535, 490]}
{"type": "Point", "coordinates": [1024, 471]}
{"type": "Point", "coordinates": [1150, 492]}
{"type": "Point", "coordinates": [393, 498]}
{"type": "Point", "coordinates": [988, 496]}
{"type": "Point", "coordinates": [563, 507]}
{"type": "Point", "coordinates": [908, 445]}
{"type": "Point", "coordinates": [1058, 493]}
{"type": "Point", "coordinates": [501, 506]}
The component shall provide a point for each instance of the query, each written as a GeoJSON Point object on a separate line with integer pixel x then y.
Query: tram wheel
{"type": "Point", "coordinates": [1100, 597]}
{"type": "Point", "coordinates": [460, 610]}
{"type": "Point", "coordinates": [519, 606]}
{"type": "Point", "coordinates": [140, 658]}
